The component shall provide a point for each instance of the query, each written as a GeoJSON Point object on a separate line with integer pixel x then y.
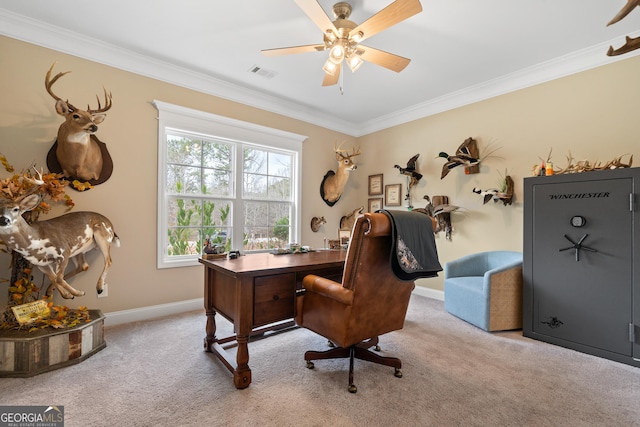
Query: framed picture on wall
{"type": "Point", "coordinates": [344, 236]}
{"type": "Point", "coordinates": [392, 194]}
{"type": "Point", "coordinates": [375, 185]}
{"type": "Point", "coordinates": [375, 204]}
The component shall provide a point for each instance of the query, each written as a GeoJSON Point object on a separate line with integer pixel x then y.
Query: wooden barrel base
{"type": "Point", "coordinates": [25, 354]}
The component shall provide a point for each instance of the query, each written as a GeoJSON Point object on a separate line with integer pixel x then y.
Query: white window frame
{"type": "Point", "coordinates": [239, 132]}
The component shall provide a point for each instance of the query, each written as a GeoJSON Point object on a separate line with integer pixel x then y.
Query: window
{"type": "Point", "coordinates": [223, 184]}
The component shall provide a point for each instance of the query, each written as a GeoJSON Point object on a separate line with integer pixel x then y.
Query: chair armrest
{"type": "Point", "coordinates": [328, 288]}
{"type": "Point", "coordinates": [505, 267]}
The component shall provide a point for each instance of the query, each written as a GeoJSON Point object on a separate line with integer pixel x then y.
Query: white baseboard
{"type": "Point", "coordinates": [151, 312]}
{"type": "Point", "coordinates": [154, 311]}
{"type": "Point", "coordinates": [429, 293]}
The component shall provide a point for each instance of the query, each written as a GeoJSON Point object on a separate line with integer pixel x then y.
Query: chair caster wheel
{"type": "Point", "coordinates": [352, 388]}
{"type": "Point", "coordinates": [398, 373]}
{"type": "Point", "coordinates": [310, 364]}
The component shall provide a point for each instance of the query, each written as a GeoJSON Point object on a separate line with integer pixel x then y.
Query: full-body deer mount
{"type": "Point", "coordinates": [333, 183]}
{"type": "Point", "coordinates": [50, 244]}
{"type": "Point", "coordinates": [77, 152]}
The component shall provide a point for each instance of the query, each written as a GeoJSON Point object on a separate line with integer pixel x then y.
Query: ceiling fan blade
{"type": "Point", "coordinates": [396, 12]}
{"type": "Point", "coordinates": [317, 14]}
{"type": "Point", "coordinates": [384, 59]}
{"type": "Point", "coordinates": [293, 49]}
{"type": "Point", "coordinates": [331, 79]}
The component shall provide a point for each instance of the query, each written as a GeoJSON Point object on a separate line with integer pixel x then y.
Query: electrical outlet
{"type": "Point", "coordinates": [105, 291]}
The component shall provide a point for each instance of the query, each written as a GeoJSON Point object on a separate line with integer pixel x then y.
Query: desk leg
{"type": "Point", "coordinates": [210, 338]}
{"type": "Point", "coordinates": [242, 373]}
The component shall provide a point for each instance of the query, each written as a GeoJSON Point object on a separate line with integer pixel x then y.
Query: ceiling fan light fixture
{"type": "Point", "coordinates": [330, 67]}
{"type": "Point", "coordinates": [356, 37]}
{"type": "Point", "coordinates": [336, 54]}
{"type": "Point", "coordinates": [354, 62]}
{"type": "Point", "coordinates": [342, 37]}
{"type": "Point", "coordinates": [330, 36]}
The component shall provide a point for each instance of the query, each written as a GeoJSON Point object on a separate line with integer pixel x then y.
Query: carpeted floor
{"type": "Point", "coordinates": [155, 373]}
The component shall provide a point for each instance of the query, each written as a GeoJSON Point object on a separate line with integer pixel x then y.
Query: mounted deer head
{"type": "Point", "coordinates": [347, 221]}
{"type": "Point", "coordinates": [333, 183]}
{"type": "Point", "coordinates": [78, 152]}
{"type": "Point", "coordinates": [49, 245]}
{"type": "Point", "coordinates": [316, 222]}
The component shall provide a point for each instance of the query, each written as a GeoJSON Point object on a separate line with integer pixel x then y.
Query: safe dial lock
{"type": "Point", "coordinates": [578, 221]}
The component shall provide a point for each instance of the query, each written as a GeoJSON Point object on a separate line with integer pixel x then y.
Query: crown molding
{"type": "Point", "coordinates": [575, 62]}
{"type": "Point", "coordinates": [42, 34]}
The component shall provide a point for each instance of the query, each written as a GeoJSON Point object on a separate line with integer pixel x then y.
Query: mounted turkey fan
{"type": "Point", "coordinates": [342, 37]}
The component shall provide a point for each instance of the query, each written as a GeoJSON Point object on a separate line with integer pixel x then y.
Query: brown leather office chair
{"type": "Point", "coordinates": [369, 302]}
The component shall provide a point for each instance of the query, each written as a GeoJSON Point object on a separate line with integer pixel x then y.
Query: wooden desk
{"type": "Point", "coordinates": [257, 293]}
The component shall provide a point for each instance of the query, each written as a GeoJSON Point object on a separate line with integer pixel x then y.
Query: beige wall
{"type": "Point", "coordinates": [593, 115]}
{"type": "Point", "coordinates": [28, 125]}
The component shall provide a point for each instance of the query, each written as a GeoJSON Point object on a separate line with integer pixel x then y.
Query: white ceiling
{"type": "Point", "coordinates": [461, 50]}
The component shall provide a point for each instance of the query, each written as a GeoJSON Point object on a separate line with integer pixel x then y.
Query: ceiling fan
{"type": "Point", "coordinates": [342, 37]}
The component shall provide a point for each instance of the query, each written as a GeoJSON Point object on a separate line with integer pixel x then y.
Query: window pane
{"type": "Point", "coordinates": [183, 179]}
{"type": "Point", "coordinates": [279, 188]}
{"type": "Point", "coordinates": [256, 238]}
{"type": "Point", "coordinates": [216, 155]}
{"type": "Point", "coordinates": [255, 161]}
{"type": "Point", "coordinates": [279, 220]}
{"type": "Point", "coordinates": [194, 222]}
{"type": "Point", "coordinates": [256, 214]}
{"type": "Point", "coordinates": [255, 186]}
{"type": "Point", "coordinates": [280, 164]}
{"type": "Point", "coordinates": [183, 150]}
{"type": "Point", "coordinates": [279, 213]}
{"type": "Point", "coordinates": [183, 212]}
{"type": "Point", "coordinates": [216, 220]}
{"type": "Point", "coordinates": [217, 182]}
{"type": "Point", "coordinates": [183, 241]}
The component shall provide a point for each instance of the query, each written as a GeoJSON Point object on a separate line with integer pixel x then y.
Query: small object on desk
{"type": "Point", "coordinates": [214, 256]}
{"type": "Point", "coordinates": [280, 251]}
{"type": "Point", "coordinates": [294, 247]}
{"type": "Point", "coordinates": [234, 254]}
{"type": "Point", "coordinates": [213, 248]}
{"type": "Point", "coordinates": [334, 244]}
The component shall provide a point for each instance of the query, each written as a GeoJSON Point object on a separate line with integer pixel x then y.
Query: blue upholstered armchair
{"type": "Point", "coordinates": [485, 289]}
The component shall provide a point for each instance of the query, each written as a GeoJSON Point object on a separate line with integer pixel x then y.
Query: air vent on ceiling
{"type": "Point", "coordinates": [256, 69]}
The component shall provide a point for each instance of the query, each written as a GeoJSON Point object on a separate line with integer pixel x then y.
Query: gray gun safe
{"type": "Point", "coordinates": [581, 262]}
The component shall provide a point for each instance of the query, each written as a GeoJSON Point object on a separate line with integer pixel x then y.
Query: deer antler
{"type": "Point", "coordinates": [629, 45]}
{"type": "Point", "coordinates": [49, 82]}
{"type": "Point", "coordinates": [354, 151]}
{"type": "Point", "coordinates": [35, 181]}
{"type": "Point", "coordinates": [107, 102]}
{"type": "Point", "coordinates": [626, 9]}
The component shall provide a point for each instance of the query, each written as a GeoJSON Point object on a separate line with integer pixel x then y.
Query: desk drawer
{"type": "Point", "coordinates": [273, 298]}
